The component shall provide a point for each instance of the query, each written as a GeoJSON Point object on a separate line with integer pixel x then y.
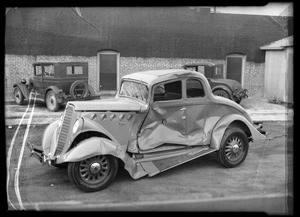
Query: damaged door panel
{"type": "Point", "coordinates": [165, 123]}
{"type": "Point", "coordinates": [166, 120]}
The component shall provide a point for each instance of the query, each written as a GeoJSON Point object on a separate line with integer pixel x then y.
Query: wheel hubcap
{"type": "Point", "coordinates": [94, 170]}
{"type": "Point", "coordinates": [17, 96]}
{"type": "Point", "coordinates": [234, 149]}
{"type": "Point", "coordinates": [51, 101]}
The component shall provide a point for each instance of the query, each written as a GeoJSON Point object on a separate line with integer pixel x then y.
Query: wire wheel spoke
{"type": "Point", "coordinates": [234, 148]}
{"type": "Point", "coordinates": [94, 170]}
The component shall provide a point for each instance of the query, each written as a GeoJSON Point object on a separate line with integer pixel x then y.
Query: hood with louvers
{"type": "Point", "coordinates": [111, 104]}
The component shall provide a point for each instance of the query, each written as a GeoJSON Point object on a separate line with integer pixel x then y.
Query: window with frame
{"type": "Point", "coordinates": [168, 91]}
{"type": "Point", "coordinates": [194, 88]}
{"type": "Point", "coordinates": [49, 70]}
{"type": "Point", "coordinates": [38, 70]}
{"type": "Point", "coordinates": [74, 70]}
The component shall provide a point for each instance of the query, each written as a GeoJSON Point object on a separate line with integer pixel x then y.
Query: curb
{"type": "Point", "coordinates": [271, 204]}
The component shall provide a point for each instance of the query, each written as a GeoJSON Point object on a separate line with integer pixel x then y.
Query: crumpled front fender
{"type": "Point", "coordinates": [101, 146]}
{"type": "Point", "coordinates": [224, 122]}
{"type": "Point", "coordinates": [49, 138]}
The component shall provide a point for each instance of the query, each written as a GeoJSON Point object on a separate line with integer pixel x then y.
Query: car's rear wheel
{"type": "Point", "coordinates": [93, 174]}
{"type": "Point", "coordinates": [221, 93]}
{"type": "Point", "coordinates": [51, 101]}
{"type": "Point", "coordinates": [18, 96]}
{"type": "Point", "coordinates": [233, 148]}
{"type": "Point", "coordinates": [79, 89]}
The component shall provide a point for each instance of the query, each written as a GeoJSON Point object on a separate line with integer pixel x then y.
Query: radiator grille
{"type": "Point", "coordinates": [66, 122]}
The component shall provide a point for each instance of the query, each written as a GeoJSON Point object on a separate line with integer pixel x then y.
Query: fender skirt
{"type": "Point", "coordinates": [101, 146]}
{"type": "Point", "coordinates": [224, 122]}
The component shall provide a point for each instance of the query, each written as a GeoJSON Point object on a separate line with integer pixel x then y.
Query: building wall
{"type": "Point", "coordinates": [18, 67]}
{"type": "Point", "coordinates": [278, 75]}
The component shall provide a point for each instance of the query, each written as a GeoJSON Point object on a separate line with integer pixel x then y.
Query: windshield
{"type": "Point", "coordinates": [135, 90]}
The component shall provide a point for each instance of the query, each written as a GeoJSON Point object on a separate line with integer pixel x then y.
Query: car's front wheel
{"type": "Point", "coordinates": [51, 101]}
{"type": "Point", "coordinates": [233, 148]}
{"type": "Point", "coordinates": [18, 96]}
{"type": "Point", "coordinates": [93, 174]}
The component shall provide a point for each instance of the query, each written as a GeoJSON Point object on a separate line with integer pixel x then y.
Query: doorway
{"type": "Point", "coordinates": [235, 67]}
{"type": "Point", "coordinates": [108, 71]}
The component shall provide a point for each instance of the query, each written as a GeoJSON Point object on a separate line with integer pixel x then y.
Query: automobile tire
{"type": "Point", "coordinates": [93, 174]}
{"type": "Point", "coordinates": [51, 101]}
{"type": "Point", "coordinates": [221, 93]}
{"type": "Point", "coordinates": [79, 89]}
{"type": "Point", "coordinates": [233, 148]}
{"type": "Point", "coordinates": [18, 96]}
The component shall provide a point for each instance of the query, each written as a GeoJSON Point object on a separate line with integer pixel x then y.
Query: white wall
{"type": "Point", "coordinates": [277, 75]}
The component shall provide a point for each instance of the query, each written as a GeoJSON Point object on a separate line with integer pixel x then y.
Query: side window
{"type": "Point", "coordinates": [201, 69]}
{"type": "Point", "coordinates": [69, 70]}
{"type": "Point", "coordinates": [49, 70]}
{"type": "Point", "coordinates": [168, 91]}
{"type": "Point", "coordinates": [78, 70]}
{"type": "Point", "coordinates": [194, 88]}
{"type": "Point", "coordinates": [38, 70]}
{"type": "Point", "coordinates": [74, 70]}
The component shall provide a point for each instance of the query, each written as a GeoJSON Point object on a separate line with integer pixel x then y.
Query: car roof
{"type": "Point", "coordinates": [155, 76]}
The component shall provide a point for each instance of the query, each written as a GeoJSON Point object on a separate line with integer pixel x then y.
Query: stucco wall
{"type": "Point", "coordinates": [20, 66]}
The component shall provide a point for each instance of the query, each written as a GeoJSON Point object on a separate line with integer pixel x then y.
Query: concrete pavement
{"type": "Point", "coordinates": [257, 107]}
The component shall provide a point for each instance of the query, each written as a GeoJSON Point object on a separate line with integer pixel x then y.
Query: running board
{"type": "Point", "coordinates": [158, 165]}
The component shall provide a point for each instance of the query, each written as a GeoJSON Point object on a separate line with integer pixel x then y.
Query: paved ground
{"type": "Point", "coordinates": [257, 107]}
{"type": "Point", "coordinates": [263, 183]}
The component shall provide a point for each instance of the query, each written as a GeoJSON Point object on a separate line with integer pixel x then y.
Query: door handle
{"type": "Point", "coordinates": [182, 109]}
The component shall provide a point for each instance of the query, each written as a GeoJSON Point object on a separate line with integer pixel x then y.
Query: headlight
{"type": "Point", "coordinates": [76, 126]}
{"type": "Point", "coordinates": [60, 120]}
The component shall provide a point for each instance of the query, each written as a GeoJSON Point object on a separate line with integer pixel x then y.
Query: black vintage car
{"type": "Point", "coordinates": [227, 88]}
{"type": "Point", "coordinates": [56, 83]}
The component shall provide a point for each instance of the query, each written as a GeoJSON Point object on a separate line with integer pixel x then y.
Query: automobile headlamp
{"type": "Point", "coordinates": [76, 126]}
{"type": "Point", "coordinates": [60, 120]}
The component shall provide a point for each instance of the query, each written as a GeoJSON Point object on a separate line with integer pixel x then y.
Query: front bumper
{"type": "Point", "coordinates": [36, 153]}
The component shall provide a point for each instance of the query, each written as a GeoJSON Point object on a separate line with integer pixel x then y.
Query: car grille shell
{"type": "Point", "coordinates": [64, 131]}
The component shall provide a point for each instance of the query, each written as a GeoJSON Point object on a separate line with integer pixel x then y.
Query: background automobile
{"type": "Point", "coordinates": [56, 83]}
{"type": "Point", "coordinates": [227, 88]}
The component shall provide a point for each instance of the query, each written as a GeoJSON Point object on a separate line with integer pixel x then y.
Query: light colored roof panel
{"type": "Point", "coordinates": [156, 76]}
{"type": "Point", "coordinates": [280, 44]}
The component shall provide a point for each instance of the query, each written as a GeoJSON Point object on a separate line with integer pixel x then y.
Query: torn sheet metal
{"type": "Point", "coordinates": [101, 146]}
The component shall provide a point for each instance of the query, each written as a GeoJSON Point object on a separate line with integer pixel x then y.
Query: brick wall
{"type": "Point", "coordinates": [16, 68]}
{"type": "Point", "coordinates": [254, 78]}
{"type": "Point", "coordinates": [20, 66]}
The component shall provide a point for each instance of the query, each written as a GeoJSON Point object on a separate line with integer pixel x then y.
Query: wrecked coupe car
{"type": "Point", "coordinates": [158, 120]}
